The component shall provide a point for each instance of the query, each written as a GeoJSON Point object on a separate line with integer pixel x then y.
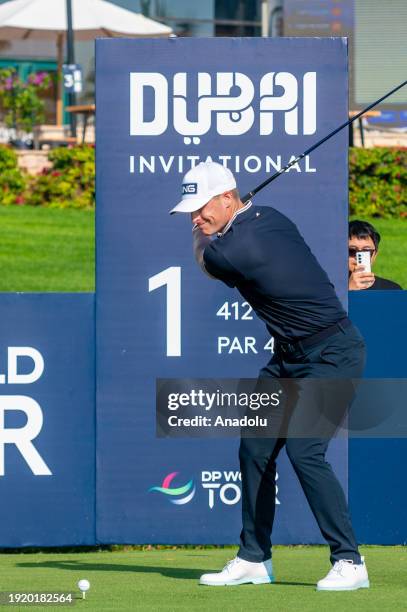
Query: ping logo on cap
{"type": "Point", "coordinates": [189, 188]}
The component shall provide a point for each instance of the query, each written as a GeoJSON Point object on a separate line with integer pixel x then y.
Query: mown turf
{"type": "Point", "coordinates": [166, 580]}
{"type": "Point", "coordinates": [46, 249]}
{"type": "Point", "coordinates": [54, 250]}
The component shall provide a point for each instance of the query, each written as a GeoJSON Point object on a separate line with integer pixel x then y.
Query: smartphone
{"type": "Point", "coordinates": [363, 259]}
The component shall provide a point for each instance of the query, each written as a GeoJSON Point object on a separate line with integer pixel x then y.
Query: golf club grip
{"type": "Point", "coordinates": [251, 194]}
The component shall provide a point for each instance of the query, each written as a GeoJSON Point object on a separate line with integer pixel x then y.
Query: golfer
{"type": "Point", "coordinates": [261, 252]}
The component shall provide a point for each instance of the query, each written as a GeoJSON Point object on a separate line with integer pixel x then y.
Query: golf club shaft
{"type": "Point", "coordinates": [252, 193]}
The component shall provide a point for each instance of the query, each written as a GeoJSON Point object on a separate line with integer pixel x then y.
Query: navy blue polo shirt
{"type": "Point", "coordinates": [264, 256]}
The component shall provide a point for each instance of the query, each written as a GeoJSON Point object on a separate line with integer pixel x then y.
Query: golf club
{"type": "Point", "coordinates": [252, 193]}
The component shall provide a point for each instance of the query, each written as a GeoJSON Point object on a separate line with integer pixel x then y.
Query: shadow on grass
{"type": "Point", "coordinates": [181, 573]}
{"type": "Point", "coordinates": [168, 572]}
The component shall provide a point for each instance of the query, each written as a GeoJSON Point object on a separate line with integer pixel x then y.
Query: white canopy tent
{"type": "Point", "coordinates": [47, 20]}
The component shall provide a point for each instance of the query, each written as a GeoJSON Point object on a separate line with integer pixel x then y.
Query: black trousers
{"type": "Point", "coordinates": [340, 356]}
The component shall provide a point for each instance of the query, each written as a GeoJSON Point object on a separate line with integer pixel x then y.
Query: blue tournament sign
{"type": "Point", "coordinates": [47, 419]}
{"type": "Point", "coordinates": [163, 106]}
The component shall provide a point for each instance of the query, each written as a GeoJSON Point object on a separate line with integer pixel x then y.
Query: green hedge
{"type": "Point", "coordinates": [12, 181]}
{"type": "Point", "coordinates": [70, 183]}
{"type": "Point", "coordinates": [378, 182]}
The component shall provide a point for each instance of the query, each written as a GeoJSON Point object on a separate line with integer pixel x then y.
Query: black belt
{"type": "Point", "coordinates": [315, 339]}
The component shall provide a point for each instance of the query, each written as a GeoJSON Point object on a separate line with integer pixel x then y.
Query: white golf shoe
{"type": "Point", "coordinates": [345, 576]}
{"type": "Point", "coordinates": [239, 571]}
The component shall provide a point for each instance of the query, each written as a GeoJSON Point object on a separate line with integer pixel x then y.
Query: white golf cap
{"type": "Point", "coordinates": [201, 184]}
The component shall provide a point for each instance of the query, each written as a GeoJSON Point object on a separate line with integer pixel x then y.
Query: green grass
{"type": "Point", "coordinates": [166, 580]}
{"type": "Point", "coordinates": [391, 261]}
{"type": "Point", "coordinates": [45, 249]}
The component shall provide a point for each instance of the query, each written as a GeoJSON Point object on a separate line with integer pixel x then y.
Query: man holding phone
{"type": "Point", "coordinates": [260, 251]}
{"type": "Point", "coordinates": [363, 248]}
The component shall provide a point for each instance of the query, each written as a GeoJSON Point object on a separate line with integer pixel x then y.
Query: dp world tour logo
{"type": "Point", "coordinates": [230, 100]}
{"type": "Point", "coordinates": [176, 495]}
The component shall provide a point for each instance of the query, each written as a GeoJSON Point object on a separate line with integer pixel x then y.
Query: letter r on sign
{"type": "Point", "coordinates": [22, 436]}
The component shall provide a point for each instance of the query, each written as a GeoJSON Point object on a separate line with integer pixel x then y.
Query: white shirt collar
{"type": "Point", "coordinates": [238, 212]}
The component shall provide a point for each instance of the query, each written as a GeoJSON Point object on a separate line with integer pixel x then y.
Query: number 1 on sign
{"type": "Point", "coordinates": [171, 278]}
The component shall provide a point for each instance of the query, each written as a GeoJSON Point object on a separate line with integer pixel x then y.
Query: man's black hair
{"type": "Point", "coordinates": [363, 229]}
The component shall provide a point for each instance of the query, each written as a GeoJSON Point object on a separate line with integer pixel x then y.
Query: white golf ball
{"type": "Point", "coordinates": [84, 585]}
